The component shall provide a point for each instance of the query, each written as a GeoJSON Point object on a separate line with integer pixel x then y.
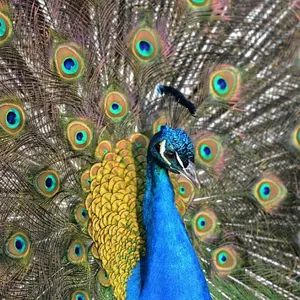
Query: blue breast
{"type": "Point", "coordinates": [170, 269]}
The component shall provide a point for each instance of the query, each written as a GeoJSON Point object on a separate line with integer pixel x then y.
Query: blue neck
{"type": "Point", "coordinates": [171, 269]}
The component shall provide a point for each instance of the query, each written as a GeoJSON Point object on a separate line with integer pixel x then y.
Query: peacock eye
{"type": "Point", "coordinates": [145, 44]}
{"type": "Point", "coordinates": [47, 183]}
{"type": "Point", "coordinates": [79, 135]}
{"type": "Point", "coordinates": [5, 28]}
{"type": "Point", "coordinates": [169, 155]}
{"type": "Point", "coordinates": [80, 295]}
{"type": "Point", "coordinates": [115, 106]}
{"type": "Point", "coordinates": [68, 61]}
{"type": "Point", "coordinates": [12, 118]}
{"type": "Point", "coordinates": [70, 65]}
{"type": "Point", "coordinates": [76, 252]}
{"type": "Point", "coordinates": [18, 245]}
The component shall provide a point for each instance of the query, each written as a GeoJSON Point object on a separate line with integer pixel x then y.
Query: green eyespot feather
{"type": "Point", "coordinates": [85, 181]}
{"type": "Point", "coordinates": [202, 4]}
{"type": "Point", "coordinates": [144, 48]}
{"type": "Point", "coordinates": [102, 149]}
{"type": "Point", "coordinates": [103, 278]}
{"type": "Point", "coordinates": [76, 252]}
{"type": "Point", "coordinates": [18, 245]}
{"type": "Point", "coordinates": [68, 61]}
{"type": "Point", "coordinates": [159, 123]}
{"type": "Point", "coordinates": [5, 26]}
{"type": "Point", "coordinates": [185, 189]}
{"type": "Point", "coordinates": [209, 151]}
{"type": "Point", "coordinates": [139, 140]}
{"type": "Point", "coordinates": [204, 225]}
{"type": "Point", "coordinates": [269, 191]}
{"type": "Point", "coordinates": [47, 183]}
{"type": "Point", "coordinates": [265, 191]}
{"type": "Point", "coordinates": [115, 106]}
{"type": "Point", "coordinates": [225, 83]}
{"type": "Point", "coordinates": [79, 135]}
{"type": "Point", "coordinates": [225, 260]}
{"type": "Point", "coordinates": [80, 295]}
{"type": "Point", "coordinates": [296, 137]}
{"type": "Point", "coordinates": [201, 222]}
{"type": "Point", "coordinates": [145, 44]}
{"type": "Point", "coordinates": [206, 152]}
{"type": "Point", "coordinates": [70, 65]}
{"type": "Point", "coordinates": [81, 214]}
{"type": "Point", "coordinates": [12, 118]}
{"type": "Point", "coordinates": [222, 258]}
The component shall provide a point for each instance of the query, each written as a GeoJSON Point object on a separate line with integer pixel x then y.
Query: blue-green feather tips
{"type": "Point", "coordinates": [13, 118]}
{"type": "Point", "coordinates": [70, 65]}
{"type": "Point", "coordinates": [144, 48]}
{"type": "Point", "coordinates": [182, 190]}
{"type": "Point", "coordinates": [76, 252]}
{"type": "Point", "coordinates": [209, 152]}
{"type": "Point", "coordinates": [3, 27]}
{"type": "Point", "coordinates": [68, 61]}
{"type": "Point", "coordinates": [81, 214]}
{"type": "Point", "coordinates": [84, 213]}
{"type": "Point", "coordinates": [220, 85]}
{"type": "Point", "coordinates": [205, 225]}
{"type": "Point", "coordinates": [116, 105]}
{"type": "Point", "coordinates": [47, 183]}
{"type": "Point", "coordinates": [80, 295]}
{"type": "Point", "coordinates": [18, 245]}
{"type": "Point", "coordinates": [269, 191]}
{"type": "Point", "coordinates": [200, 4]}
{"type": "Point", "coordinates": [205, 152]}
{"type": "Point", "coordinates": [201, 222]}
{"type": "Point", "coordinates": [81, 137]}
{"type": "Point", "coordinates": [222, 258]}
{"type": "Point", "coordinates": [115, 108]}
{"type": "Point", "coordinates": [296, 137]}
{"type": "Point", "coordinates": [145, 44]}
{"type": "Point", "coordinates": [185, 189]}
{"type": "Point", "coordinates": [50, 183]}
{"type": "Point", "coordinates": [225, 260]}
{"type": "Point", "coordinates": [265, 191]}
{"type": "Point", "coordinates": [225, 83]}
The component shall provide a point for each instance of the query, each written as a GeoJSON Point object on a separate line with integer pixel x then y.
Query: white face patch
{"type": "Point", "coordinates": [162, 151]}
{"type": "Point", "coordinates": [179, 160]}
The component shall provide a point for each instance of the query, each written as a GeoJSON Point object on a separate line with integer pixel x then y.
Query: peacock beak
{"type": "Point", "coordinates": [190, 173]}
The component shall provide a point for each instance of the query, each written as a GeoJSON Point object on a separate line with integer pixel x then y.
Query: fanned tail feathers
{"type": "Point", "coordinates": [76, 77]}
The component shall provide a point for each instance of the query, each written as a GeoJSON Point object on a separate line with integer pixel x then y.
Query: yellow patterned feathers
{"type": "Point", "coordinates": [114, 206]}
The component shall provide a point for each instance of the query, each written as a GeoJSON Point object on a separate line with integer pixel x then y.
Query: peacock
{"type": "Point", "coordinates": [149, 149]}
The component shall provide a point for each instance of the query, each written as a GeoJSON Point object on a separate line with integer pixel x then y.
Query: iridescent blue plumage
{"type": "Point", "coordinates": [169, 253]}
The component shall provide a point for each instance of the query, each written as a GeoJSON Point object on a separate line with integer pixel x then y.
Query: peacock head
{"type": "Point", "coordinates": [173, 150]}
